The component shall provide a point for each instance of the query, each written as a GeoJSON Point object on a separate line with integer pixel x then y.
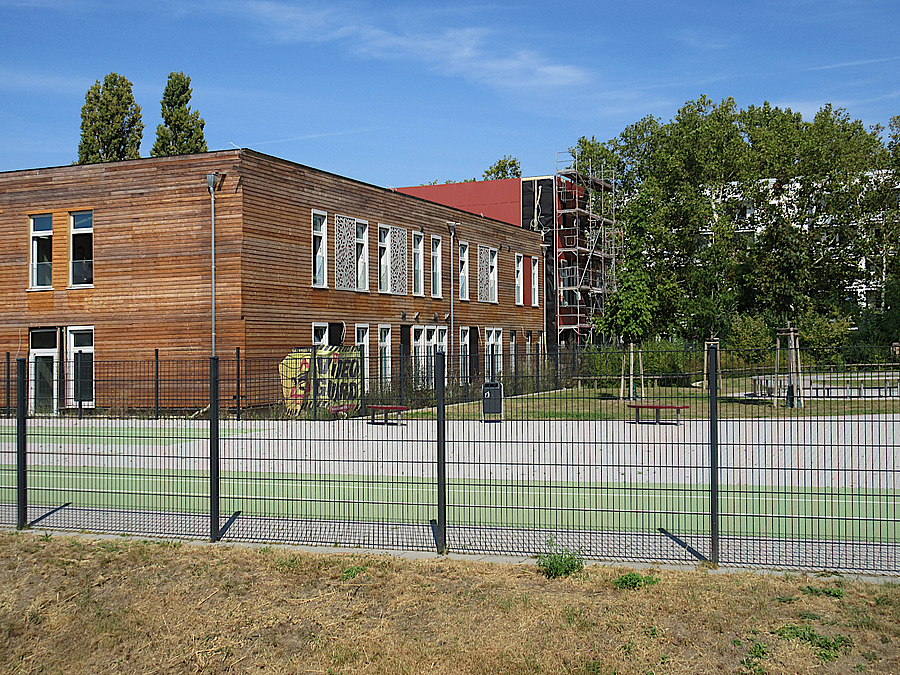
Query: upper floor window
{"type": "Point", "coordinates": [463, 270]}
{"type": "Point", "coordinates": [362, 255]}
{"type": "Point", "coordinates": [435, 267]}
{"type": "Point", "coordinates": [319, 249]}
{"type": "Point", "coordinates": [41, 251]}
{"type": "Point", "coordinates": [487, 274]}
{"type": "Point", "coordinates": [384, 259]}
{"type": "Point", "coordinates": [82, 249]}
{"type": "Point", "coordinates": [520, 278]}
{"type": "Point", "coordinates": [534, 282]}
{"type": "Point", "coordinates": [418, 269]}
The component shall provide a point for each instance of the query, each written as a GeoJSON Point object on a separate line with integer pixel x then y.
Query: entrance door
{"type": "Point", "coordinates": [43, 382]}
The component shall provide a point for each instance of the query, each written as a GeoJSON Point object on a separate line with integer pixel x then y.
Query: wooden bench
{"type": "Point", "coordinates": [657, 407]}
{"type": "Point", "coordinates": [399, 409]}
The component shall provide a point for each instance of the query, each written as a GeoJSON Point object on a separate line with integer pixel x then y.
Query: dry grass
{"type": "Point", "coordinates": [77, 605]}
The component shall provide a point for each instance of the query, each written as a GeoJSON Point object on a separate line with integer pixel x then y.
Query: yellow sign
{"type": "Point", "coordinates": [335, 384]}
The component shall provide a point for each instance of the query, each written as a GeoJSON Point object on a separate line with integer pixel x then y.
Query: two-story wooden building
{"type": "Point", "coordinates": [113, 261]}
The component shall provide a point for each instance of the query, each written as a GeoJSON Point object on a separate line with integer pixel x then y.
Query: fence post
{"type": "Point", "coordinates": [21, 446]}
{"type": "Point", "coordinates": [315, 382]}
{"type": "Point", "coordinates": [714, 453]}
{"type": "Point", "coordinates": [213, 448]}
{"type": "Point", "coordinates": [515, 358]}
{"type": "Point", "coordinates": [237, 381]}
{"type": "Point", "coordinates": [441, 534]}
{"type": "Point", "coordinates": [156, 382]}
{"type": "Point", "coordinates": [556, 370]}
{"type": "Point", "coordinates": [8, 388]}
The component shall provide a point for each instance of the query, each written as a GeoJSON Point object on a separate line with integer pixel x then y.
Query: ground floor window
{"type": "Point", "coordinates": [61, 368]}
{"type": "Point", "coordinates": [493, 353]}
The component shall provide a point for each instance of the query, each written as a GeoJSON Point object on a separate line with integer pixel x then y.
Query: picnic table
{"type": "Point", "coordinates": [656, 407]}
{"type": "Point", "coordinates": [399, 409]}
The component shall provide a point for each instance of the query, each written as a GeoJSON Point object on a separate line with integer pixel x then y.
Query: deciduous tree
{"type": "Point", "coordinates": [111, 126]}
{"type": "Point", "coordinates": [181, 132]}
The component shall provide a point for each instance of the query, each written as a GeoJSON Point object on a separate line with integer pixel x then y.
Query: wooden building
{"type": "Point", "coordinates": [110, 262]}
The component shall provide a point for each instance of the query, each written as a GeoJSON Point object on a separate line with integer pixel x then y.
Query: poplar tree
{"type": "Point", "coordinates": [111, 126]}
{"type": "Point", "coordinates": [181, 132]}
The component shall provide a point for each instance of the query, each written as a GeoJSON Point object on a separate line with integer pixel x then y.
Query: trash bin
{"type": "Point", "coordinates": [491, 399]}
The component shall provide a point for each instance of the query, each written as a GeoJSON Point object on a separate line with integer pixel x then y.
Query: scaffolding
{"type": "Point", "coordinates": [587, 245]}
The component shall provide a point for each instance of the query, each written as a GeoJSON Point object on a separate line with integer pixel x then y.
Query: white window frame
{"type": "Point", "coordinates": [384, 353]}
{"type": "Point", "coordinates": [463, 270]}
{"type": "Point", "coordinates": [535, 301]}
{"type": "Point", "coordinates": [384, 259]}
{"type": "Point", "coordinates": [437, 260]}
{"type": "Point", "coordinates": [493, 263]}
{"type": "Point", "coordinates": [323, 341]}
{"type": "Point", "coordinates": [362, 256]}
{"type": "Point", "coordinates": [520, 279]}
{"type": "Point", "coordinates": [36, 235]}
{"type": "Point", "coordinates": [71, 370]}
{"type": "Point", "coordinates": [431, 344]}
{"type": "Point", "coordinates": [418, 263]}
{"type": "Point", "coordinates": [81, 231]}
{"type": "Point", "coordinates": [362, 341]}
{"type": "Point", "coordinates": [322, 255]}
{"type": "Point", "coordinates": [464, 366]}
{"type": "Point", "coordinates": [417, 340]}
{"type": "Point", "coordinates": [493, 353]}
{"type": "Point", "coordinates": [42, 352]}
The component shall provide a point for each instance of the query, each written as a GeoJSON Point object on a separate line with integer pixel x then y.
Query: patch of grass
{"type": "Point", "coordinates": [809, 616]}
{"type": "Point", "coordinates": [826, 649]}
{"type": "Point", "coordinates": [559, 561]}
{"type": "Point", "coordinates": [289, 563]}
{"type": "Point", "coordinates": [829, 591]}
{"type": "Point", "coordinates": [634, 580]}
{"type": "Point", "coordinates": [353, 571]}
{"type": "Point", "coordinates": [786, 598]}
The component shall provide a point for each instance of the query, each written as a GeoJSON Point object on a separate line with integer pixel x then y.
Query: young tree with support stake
{"type": "Point", "coordinates": [181, 132]}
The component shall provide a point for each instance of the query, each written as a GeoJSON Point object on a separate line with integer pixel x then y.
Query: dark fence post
{"type": "Point", "coordinates": [156, 382]}
{"type": "Point", "coordinates": [556, 370]}
{"type": "Point", "coordinates": [714, 453]}
{"type": "Point", "coordinates": [21, 446]}
{"type": "Point", "coordinates": [213, 448]}
{"type": "Point", "coordinates": [363, 382]}
{"type": "Point", "coordinates": [515, 358]}
{"type": "Point", "coordinates": [315, 382]}
{"type": "Point", "coordinates": [441, 535]}
{"type": "Point", "coordinates": [237, 381]}
{"type": "Point", "coordinates": [8, 388]}
{"type": "Point", "coordinates": [404, 367]}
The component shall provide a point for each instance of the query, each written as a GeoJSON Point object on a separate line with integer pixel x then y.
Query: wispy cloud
{"type": "Point", "coordinates": [469, 52]}
{"type": "Point", "coordinates": [852, 64]}
{"type": "Point", "coordinates": [308, 137]}
{"type": "Point", "coordinates": [40, 83]}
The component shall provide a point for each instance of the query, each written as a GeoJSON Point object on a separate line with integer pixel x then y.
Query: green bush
{"type": "Point", "coordinates": [559, 561]}
{"type": "Point", "coordinates": [633, 580]}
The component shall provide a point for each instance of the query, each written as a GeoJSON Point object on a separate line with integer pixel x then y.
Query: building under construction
{"type": "Point", "coordinates": [575, 210]}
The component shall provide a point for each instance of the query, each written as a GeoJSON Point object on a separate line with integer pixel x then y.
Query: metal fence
{"type": "Point", "coordinates": [742, 458]}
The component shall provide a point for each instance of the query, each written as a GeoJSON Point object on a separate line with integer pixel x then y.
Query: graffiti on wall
{"type": "Point", "coordinates": [333, 382]}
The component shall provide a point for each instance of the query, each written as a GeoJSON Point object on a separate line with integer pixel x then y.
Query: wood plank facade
{"type": "Point", "coordinates": [124, 250]}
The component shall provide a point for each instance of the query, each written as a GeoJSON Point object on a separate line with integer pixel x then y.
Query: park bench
{"type": "Point", "coordinates": [657, 407]}
{"type": "Point", "coordinates": [399, 409]}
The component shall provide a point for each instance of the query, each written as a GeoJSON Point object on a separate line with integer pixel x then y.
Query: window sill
{"type": "Point", "coordinates": [34, 289]}
{"type": "Point", "coordinates": [79, 287]}
{"type": "Point", "coordinates": [321, 288]}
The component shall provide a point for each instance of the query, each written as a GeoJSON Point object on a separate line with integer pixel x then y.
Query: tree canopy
{"type": "Point", "coordinates": [754, 212]}
{"type": "Point", "coordinates": [181, 132]}
{"type": "Point", "coordinates": [111, 126]}
{"type": "Point", "coordinates": [505, 167]}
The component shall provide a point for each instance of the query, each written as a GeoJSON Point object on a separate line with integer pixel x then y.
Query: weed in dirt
{"type": "Point", "coordinates": [634, 580]}
{"type": "Point", "coordinates": [881, 601]}
{"type": "Point", "coordinates": [353, 571]}
{"type": "Point", "coordinates": [289, 563]}
{"type": "Point", "coordinates": [809, 616]}
{"type": "Point", "coordinates": [786, 598]}
{"type": "Point", "coordinates": [559, 561]}
{"type": "Point", "coordinates": [828, 591]}
{"type": "Point", "coordinates": [827, 649]}
{"type": "Point", "coordinates": [750, 664]}
{"type": "Point", "coordinates": [651, 632]}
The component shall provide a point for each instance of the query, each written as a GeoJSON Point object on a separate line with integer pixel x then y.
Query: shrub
{"type": "Point", "coordinates": [633, 580]}
{"type": "Point", "coordinates": [559, 561]}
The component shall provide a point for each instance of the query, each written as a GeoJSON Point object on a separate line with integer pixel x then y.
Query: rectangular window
{"type": "Point", "coordinates": [42, 356]}
{"type": "Point", "coordinates": [82, 248]}
{"type": "Point", "coordinates": [319, 249]}
{"type": "Point", "coordinates": [493, 352]}
{"type": "Point", "coordinates": [384, 259]}
{"type": "Point", "coordinates": [534, 282]}
{"type": "Point", "coordinates": [512, 345]}
{"type": "Point", "coordinates": [418, 354]}
{"type": "Point", "coordinates": [418, 271]}
{"type": "Point", "coordinates": [435, 267]}
{"type": "Point", "coordinates": [80, 367]}
{"type": "Point", "coordinates": [464, 351]}
{"type": "Point", "coordinates": [492, 276]}
{"type": "Point", "coordinates": [42, 251]}
{"type": "Point", "coordinates": [384, 354]}
{"type": "Point", "coordinates": [320, 334]}
{"type": "Point", "coordinates": [463, 270]}
{"type": "Point", "coordinates": [520, 278]}
{"type": "Point", "coordinates": [430, 349]}
{"type": "Point", "coordinates": [362, 341]}
{"type": "Point", "coordinates": [362, 255]}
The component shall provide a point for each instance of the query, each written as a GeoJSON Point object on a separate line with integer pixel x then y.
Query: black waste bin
{"type": "Point", "coordinates": [491, 399]}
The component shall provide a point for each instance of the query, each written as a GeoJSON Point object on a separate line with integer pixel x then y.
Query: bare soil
{"type": "Point", "coordinates": [82, 605]}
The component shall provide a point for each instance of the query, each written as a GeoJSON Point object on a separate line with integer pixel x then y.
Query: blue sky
{"type": "Point", "coordinates": [402, 93]}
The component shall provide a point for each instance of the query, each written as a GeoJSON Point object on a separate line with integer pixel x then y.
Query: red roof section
{"type": "Point", "coordinates": [498, 199]}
